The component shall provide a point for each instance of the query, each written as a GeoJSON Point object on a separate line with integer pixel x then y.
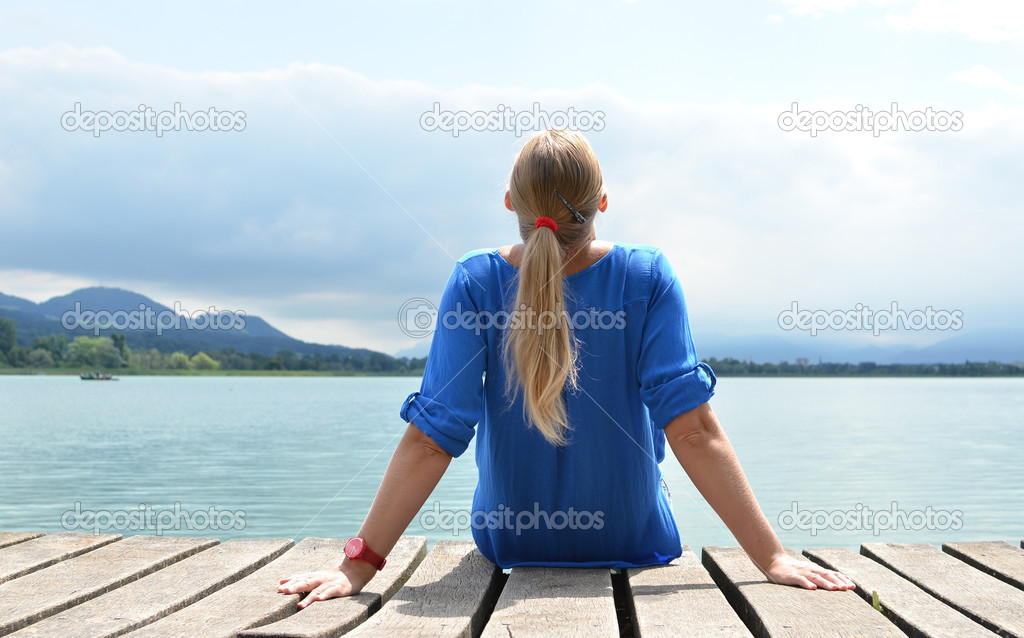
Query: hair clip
{"type": "Point", "coordinates": [579, 216]}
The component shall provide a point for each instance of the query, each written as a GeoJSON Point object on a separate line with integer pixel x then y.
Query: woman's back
{"type": "Point", "coordinates": [596, 500]}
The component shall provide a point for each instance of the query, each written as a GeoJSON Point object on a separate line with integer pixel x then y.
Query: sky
{"type": "Point", "coordinates": [333, 198]}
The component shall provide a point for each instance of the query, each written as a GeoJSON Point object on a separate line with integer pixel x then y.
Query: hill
{"type": "Point", "coordinates": [149, 324]}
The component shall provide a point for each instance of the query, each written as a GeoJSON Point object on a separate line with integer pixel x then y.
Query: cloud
{"type": "Point", "coordinates": [333, 206]}
{"type": "Point", "coordinates": [817, 8]}
{"type": "Point", "coordinates": [987, 20]}
{"type": "Point", "coordinates": [38, 286]}
{"type": "Point", "coordinates": [980, 75]}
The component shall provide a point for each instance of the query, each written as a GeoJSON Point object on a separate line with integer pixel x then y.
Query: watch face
{"type": "Point", "coordinates": [354, 548]}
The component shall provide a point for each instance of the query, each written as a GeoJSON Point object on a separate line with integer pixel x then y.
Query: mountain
{"type": "Point", "coordinates": [149, 324]}
{"type": "Point", "coordinates": [1007, 348]}
{"type": "Point", "coordinates": [97, 299]}
{"type": "Point", "coordinates": [418, 351]}
{"type": "Point", "coordinates": [1003, 347]}
{"type": "Point", "coordinates": [8, 302]}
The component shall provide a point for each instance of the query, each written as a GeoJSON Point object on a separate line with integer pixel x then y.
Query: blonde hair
{"type": "Point", "coordinates": [539, 349]}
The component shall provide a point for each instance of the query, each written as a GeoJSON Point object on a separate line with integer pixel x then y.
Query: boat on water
{"type": "Point", "coordinates": [97, 376]}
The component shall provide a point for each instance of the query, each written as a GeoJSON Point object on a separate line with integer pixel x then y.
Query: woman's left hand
{"type": "Point", "coordinates": [786, 570]}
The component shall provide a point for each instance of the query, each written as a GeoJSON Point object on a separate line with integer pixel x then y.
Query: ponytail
{"type": "Point", "coordinates": [540, 350]}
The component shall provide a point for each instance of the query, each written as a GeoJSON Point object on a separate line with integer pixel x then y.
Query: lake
{"type": "Point", "coordinates": [833, 462]}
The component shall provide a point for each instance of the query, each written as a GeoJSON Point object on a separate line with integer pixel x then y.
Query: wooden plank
{"type": "Point", "coordinates": [13, 538]}
{"type": "Point", "coordinates": [252, 601]}
{"type": "Point", "coordinates": [39, 553]}
{"type": "Point", "coordinates": [681, 599]}
{"type": "Point", "coordinates": [539, 601]}
{"type": "Point", "coordinates": [995, 558]}
{"type": "Point", "coordinates": [150, 598]}
{"type": "Point", "coordinates": [450, 594]}
{"type": "Point", "coordinates": [337, 616]}
{"type": "Point", "coordinates": [987, 600]}
{"type": "Point", "coordinates": [912, 609]}
{"type": "Point", "coordinates": [43, 593]}
{"type": "Point", "coordinates": [776, 610]}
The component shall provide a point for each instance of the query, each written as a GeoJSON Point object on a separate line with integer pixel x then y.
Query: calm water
{"type": "Point", "coordinates": [297, 457]}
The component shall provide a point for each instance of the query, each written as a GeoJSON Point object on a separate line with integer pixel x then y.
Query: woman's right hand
{"type": "Point", "coordinates": [346, 580]}
{"type": "Point", "coordinates": [786, 570]}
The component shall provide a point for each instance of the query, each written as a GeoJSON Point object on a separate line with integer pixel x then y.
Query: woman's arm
{"type": "Point", "coordinates": [414, 471]}
{"type": "Point", "coordinates": [705, 453]}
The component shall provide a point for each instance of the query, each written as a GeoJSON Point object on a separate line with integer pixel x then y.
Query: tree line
{"type": "Point", "coordinates": [735, 368]}
{"type": "Point", "coordinates": [112, 353]}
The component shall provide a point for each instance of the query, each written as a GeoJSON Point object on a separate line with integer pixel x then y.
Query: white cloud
{"type": "Point", "coordinates": [38, 286]}
{"type": "Point", "coordinates": [817, 8]}
{"type": "Point", "coordinates": [987, 20]}
{"type": "Point", "coordinates": [983, 76]}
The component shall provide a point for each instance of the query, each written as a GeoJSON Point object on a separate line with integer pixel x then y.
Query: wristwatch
{"type": "Point", "coordinates": [357, 549]}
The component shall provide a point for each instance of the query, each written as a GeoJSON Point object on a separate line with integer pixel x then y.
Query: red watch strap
{"type": "Point", "coordinates": [357, 549]}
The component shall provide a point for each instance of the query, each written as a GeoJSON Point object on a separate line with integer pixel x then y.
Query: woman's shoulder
{"type": "Point", "coordinates": [479, 254]}
{"type": "Point", "coordinates": [640, 251]}
{"type": "Point", "coordinates": [481, 258]}
{"type": "Point", "coordinates": [480, 264]}
{"type": "Point", "coordinates": [642, 259]}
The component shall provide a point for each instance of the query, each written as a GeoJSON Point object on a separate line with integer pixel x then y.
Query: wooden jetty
{"type": "Point", "coordinates": [69, 585]}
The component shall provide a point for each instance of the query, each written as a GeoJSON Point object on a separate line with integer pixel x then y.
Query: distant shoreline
{"type": "Point", "coordinates": [731, 369]}
{"type": "Point", "coordinates": [67, 372]}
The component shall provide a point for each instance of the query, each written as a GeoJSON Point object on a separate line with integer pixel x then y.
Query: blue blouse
{"type": "Point", "coordinates": [596, 502]}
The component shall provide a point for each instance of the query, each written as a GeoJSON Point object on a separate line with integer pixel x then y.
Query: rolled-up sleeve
{"type": "Point", "coordinates": [672, 381]}
{"type": "Point", "coordinates": [449, 403]}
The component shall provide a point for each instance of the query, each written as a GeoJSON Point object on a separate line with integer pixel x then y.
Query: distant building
{"type": "Point", "coordinates": [803, 363]}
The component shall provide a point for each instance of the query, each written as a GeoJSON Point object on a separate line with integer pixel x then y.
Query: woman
{"type": "Point", "coordinates": [570, 359]}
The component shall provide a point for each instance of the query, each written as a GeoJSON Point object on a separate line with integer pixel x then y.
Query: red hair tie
{"type": "Point", "coordinates": [547, 221]}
